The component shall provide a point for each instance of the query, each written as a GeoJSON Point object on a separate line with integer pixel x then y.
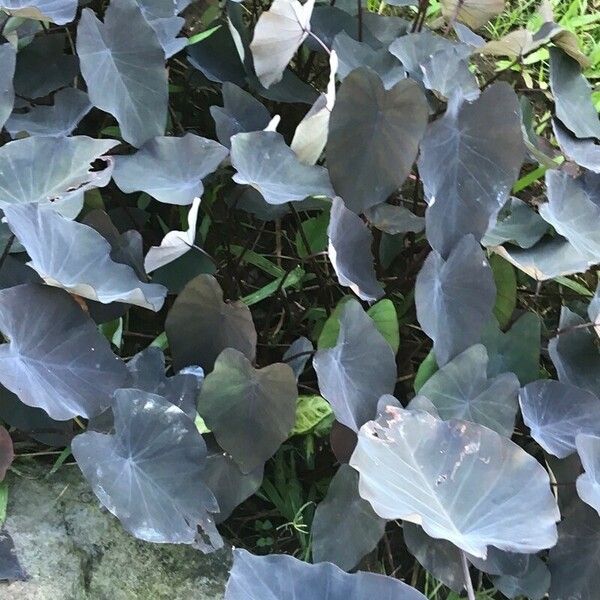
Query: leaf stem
{"type": "Point", "coordinates": [7, 248]}
{"type": "Point", "coordinates": [467, 575]}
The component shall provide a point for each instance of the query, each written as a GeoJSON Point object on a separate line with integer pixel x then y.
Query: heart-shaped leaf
{"type": "Point", "coordinates": [461, 481]}
{"type": "Point", "coordinates": [170, 169]}
{"type": "Point", "coordinates": [91, 273]}
{"type": "Point", "coordinates": [575, 561]}
{"type": "Point", "coordinates": [60, 12]}
{"type": "Point", "coordinates": [574, 353]}
{"type": "Point", "coordinates": [8, 62]}
{"type": "Point", "coordinates": [52, 170]}
{"type": "Point", "coordinates": [70, 106]}
{"type": "Point", "coordinates": [283, 576]}
{"type": "Point", "coordinates": [374, 137]}
{"type": "Point", "coordinates": [358, 370]}
{"type": "Point", "coordinates": [149, 473]}
{"type": "Point", "coordinates": [349, 251]}
{"type": "Point", "coordinates": [147, 373]}
{"type": "Point", "coordinates": [474, 13]}
{"type": "Point", "coordinates": [122, 63]}
{"type": "Point", "coordinates": [229, 485]}
{"type": "Point", "coordinates": [344, 528]}
{"type": "Point", "coordinates": [516, 351]}
{"type": "Point", "coordinates": [461, 390]}
{"type": "Point", "coordinates": [588, 484]}
{"type": "Point", "coordinates": [572, 209]}
{"type": "Point", "coordinates": [470, 158]}
{"type": "Point", "coordinates": [241, 112]}
{"type": "Point", "coordinates": [572, 96]}
{"type": "Point", "coordinates": [556, 412]}
{"type": "Point", "coordinates": [455, 298]}
{"type": "Point", "coordinates": [56, 358]}
{"type": "Point", "coordinates": [277, 35]}
{"type": "Point", "coordinates": [250, 411]}
{"type": "Point", "coordinates": [200, 325]}
{"type": "Point", "coordinates": [264, 161]}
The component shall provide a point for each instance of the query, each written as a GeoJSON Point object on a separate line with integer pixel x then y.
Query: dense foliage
{"type": "Point", "coordinates": [296, 262]}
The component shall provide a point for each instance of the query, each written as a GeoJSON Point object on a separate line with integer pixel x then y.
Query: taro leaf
{"type": "Point", "coordinates": [574, 562]}
{"type": "Point", "coordinates": [229, 485]}
{"type": "Point", "coordinates": [588, 484]}
{"type": "Point", "coordinates": [51, 170]}
{"type": "Point", "coordinates": [280, 576]}
{"type": "Point", "coordinates": [241, 112]}
{"type": "Point", "coordinates": [547, 259]}
{"type": "Point", "coordinates": [447, 73]}
{"type": "Point", "coordinates": [533, 584]}
{"type": "Point", "coordinates": [126, 248]}
{"type": "Point", "coordinates": [572, 96]}
{"type": "Point", "coordinates": [556, 412]}
{"type": "Point", "coordinates": [291, 89]}
{"type": "Point", "coordinates": [7, 453]}
{"type": "Point", "coordinates": [10, 568]}
{"type": "Point", "coordinates": [414, 50]}
{"type": "Point", "coordinates": [500, 562]}
{"type": "Point", "coordinates": [122, 63]}
{"type": "Point", "coordinates": [383, 315]}
{"type": "Point", "coordinates": [147, 373]}
{"type": "Point", "coordinates": [56, 358]}
{"type": "Point", "coordinates": [574, 353]}
{"type": "Point", "coordinates": [461, 481]}
{"type": "Point", "coordinates": [358, 370]}
{"type": "Point", "coordinates": [311, 133]}
{"type": "Point", "coordinates": [297, 355]}
{"type": "Point", "coordinates": [162, 18]}
{"type": "Point", "coordinates": [461, 390]}
{"type": "Point", "coordinates": [90, 272]}
{"type": "Point", "coordinates": [455, 298]}
{"type": "Point", "coordinates": [466, 36]}
{"type": "Point", "coordinates": [470, 158]}
{"type": "Point", "coordinates": [175, 243]}
{"type": "Point", "coordinates": [43, 67]}
{"type": "Point", "coordinates": [505, 279]}
{"type": "Point", "coordinates": [217, 57]}
{"type": "Point", "coordinates": [374, 137]}
{"type": "Point", "coordinates": [516, 351]}
{"type": "Point", "coordinates": [573, 208]}
{"type": "Point", "coordinates": [353, 55]}
{"type": "Point", "coordinates": [349, 251]}
{"type": "Point", "coordinates": [441, 558]}
{"type": "Point", "coordinates": [384, 29]}
{"type": "Point", "coordinates": [329, 21]}
{"type": "Point", "coordinates": [393, 219]}
{"type": "Point", "coordinates": [8, 58]}
{"type": "Point", "coordinates": [593, 310]}
{"type": "Point", "coordinates": [586, 153]}
{"type": "Point", "coordinates": [70, 106]}
{"type": "Point", "coordinates": [474, 13]}
{"type": "Point", "coordinates": [264, 161]}
{"type": "Point", "coordinates": [344, 528]}
{"type": "Point", "coordinates": [150, 472]}
{"type": "Point", "coordinates": [170, 169]}
{"type": "Point", "coordinates": [200, 325]}
{"type": "Point", "coordinates": [250, 411]}
{"type": "Point", "coordinates": [516, 223]}
{"type": "Point", "coordinates": [60, 12]}
{"type": "Point", "coordinates": [34, 422]}
{"type": "Point", "coordinates": [277, 35]}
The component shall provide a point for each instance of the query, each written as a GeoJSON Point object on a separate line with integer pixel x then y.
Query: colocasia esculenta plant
{"type": "Point", "coordinates": [186, 188]}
